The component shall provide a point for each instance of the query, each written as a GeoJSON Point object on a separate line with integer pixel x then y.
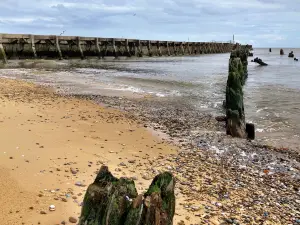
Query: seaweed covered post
{"type": "Point", "coordinates": [235, 124]}
{"type": "Point", "coordinates": [235, 116]}
{"type": "Point", "coordinates": [113, 201]}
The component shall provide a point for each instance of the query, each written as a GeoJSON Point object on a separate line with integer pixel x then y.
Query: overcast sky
{"type": "Point", "coordinates": [263, 23]}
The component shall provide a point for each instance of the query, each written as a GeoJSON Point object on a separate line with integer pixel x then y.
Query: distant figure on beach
{"type": "Point", "coordinates": [259, 61]}
{"type": "Point", "coordinates": [270, 50]}
{"type": "Point", "coordinates": [295, 59]}
{"type": "Point", "coordinates": [291, 54]}
{"type": "Point", "coordinates": [281, 52]}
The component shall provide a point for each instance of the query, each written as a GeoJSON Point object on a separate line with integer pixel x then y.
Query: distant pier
{"type": "Point", "coordinates": [27, 46]}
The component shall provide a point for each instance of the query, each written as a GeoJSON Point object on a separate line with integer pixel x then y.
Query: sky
{"type": "Point", "coordinates": [262, 23]}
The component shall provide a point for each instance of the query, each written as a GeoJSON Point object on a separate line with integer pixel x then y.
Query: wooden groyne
{"type": "Point", "coordinates": [27, 46]}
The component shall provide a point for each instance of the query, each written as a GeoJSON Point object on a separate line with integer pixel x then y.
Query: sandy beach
{"type": "Point", "coordinates": [53, 145]}
{"type": "Point", "coordinates": [49, 143]}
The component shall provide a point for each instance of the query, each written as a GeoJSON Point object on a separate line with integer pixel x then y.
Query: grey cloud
{"type": "Point", "coordinates": [264, 22]}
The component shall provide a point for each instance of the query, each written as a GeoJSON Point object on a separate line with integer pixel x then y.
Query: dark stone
{"type": "Point", "coordinates": [221, 118]}
{"type": "Point", "coordinates": [250, 130]}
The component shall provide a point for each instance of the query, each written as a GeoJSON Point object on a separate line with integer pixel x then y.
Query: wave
{"type": "Point", "coordinates": [160, 81]}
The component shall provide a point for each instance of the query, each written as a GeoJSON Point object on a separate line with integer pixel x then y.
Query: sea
{"type": "Point", "coordinates": [271, 93]}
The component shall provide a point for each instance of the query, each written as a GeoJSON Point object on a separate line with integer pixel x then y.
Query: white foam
{"type": "Point", "coordinates": [217, 150]}
{"type": "Point", "coordinates": [202, 106]}
{"type": "Point", "coordinates": [127, 88]}
{"type": "Point", "coordinates": [261, 109]}
{"type": "Point", "coordinates": [160, 95]}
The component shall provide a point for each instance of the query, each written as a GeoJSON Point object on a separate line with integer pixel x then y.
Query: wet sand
{"type": "Point", "coordinates": [48, 143]}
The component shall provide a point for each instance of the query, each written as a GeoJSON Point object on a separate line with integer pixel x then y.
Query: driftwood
{"type": "Point", "coordinates": [113, 201]}
{"type": "Point", "coordinates": [235, 116]}
{"type": "Point", "coordinates": [291, 54]}
{"type": "Point", "coordinates": [259, 61]}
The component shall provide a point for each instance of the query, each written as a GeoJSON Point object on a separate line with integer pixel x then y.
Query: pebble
{"type": "Point", "coordinates": [52, 207]}
{"type": "Point", "coordinates": [43, 212]}
{"type": "Point", "coordinates": [146, 176]}
{"type": "Point", "coordinates": [78, 183]}
{"type": "Point", "coordinates": [72, 220]}
{"type": "Point", "coordinates": [122, 164]}
{"type": "Point", "coordinates": [134, 178]}
{"type": "Point", "coordinates": [220, 167]}
{"type": "Point", "coordinates": [73, 171]}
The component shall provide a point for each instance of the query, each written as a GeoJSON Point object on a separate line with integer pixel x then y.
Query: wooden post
{"type": "Point", "coordinates": [206, 48]}
{"type": "Point", "coordinates": [114, 48]}
{"type": "Point", "coordinates": [33, 46]}
{"type": "Point", "coordinates": [193, 48]}
{"type": "Point", "coordinates": [127, 48]}
{"type": "Point", "coordinates": [98, 47]}
{"type": "Point", "coordinates": [58, 48]}
{"type": "Point", "coordinates": [149, 48]}
{"type": "Point", "coordinates": [79, 48]}
{"type": "Point", "coordinates": [200, 49]}
{"type": "Point", "coordinates": [235, 115]}
{"type": "Point", "coordinates": [158, 48]}
{"type": "Point", "coordinates": [174, 47]}
{"type": "Point", "coordinates": [140, 52]}
{"type": "Point", "coordinates": [182, 48]}
{"type": "Point", "coordinates": [168, 50]}
{"type": "Point", "coordinates": [188, 48]}
{"type": "Point", "coordinates": [113, 201]}
{"type": "Point", "coordinates": [134, 49]}
{"type": "Point", "coordinates": [2, 52]}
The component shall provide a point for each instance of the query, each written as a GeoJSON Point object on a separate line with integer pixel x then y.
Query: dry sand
{"type": "Point", "coordinates": [44, 137]}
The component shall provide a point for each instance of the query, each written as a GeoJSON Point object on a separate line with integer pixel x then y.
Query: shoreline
{"type": "Point", "coordinates": [213, 182]}
{"type": "Point", "coordinates": [272, 125]}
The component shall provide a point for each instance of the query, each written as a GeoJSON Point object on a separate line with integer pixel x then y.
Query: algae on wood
{"type": "Point", "coordinates": [237, 75]}
{"type": "Point", "coordinates": [113, 201]}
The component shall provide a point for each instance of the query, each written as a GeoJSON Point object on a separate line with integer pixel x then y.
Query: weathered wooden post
{"type": "Point", "coordinates": [140, 52]}
{"type": "Point", "coordinates": [98, 48]}
{"type": "Point", "coordinates": [2, 51]}
{"type": "Point", "coordinates": [32, 42]}
{"type": "Point", "coordinates": [79, 47]}
{"type": "Point", "coordinates": [149, 47]}
{"type": "Point", "coordinates": [58, 48]}
{"type": "Point", "coordinates": [235, 124]}
{"type": "Point", "coordinates": [113, 201]}
{"type": "Point", "coordinates": [168, 50]}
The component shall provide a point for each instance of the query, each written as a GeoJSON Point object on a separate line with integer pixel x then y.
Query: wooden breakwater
{"type": "Point", "coordinates": [112, 201]}
{"type": "Point", "coordinates": [27, 46]}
